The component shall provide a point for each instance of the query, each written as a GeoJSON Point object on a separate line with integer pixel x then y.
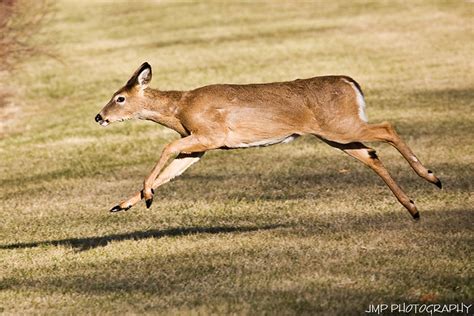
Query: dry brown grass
{"type": "Point", "coordinates": [290, 229]}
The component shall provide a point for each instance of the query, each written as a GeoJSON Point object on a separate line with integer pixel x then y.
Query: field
{"type": "Point", "coordinates": [298, 228]}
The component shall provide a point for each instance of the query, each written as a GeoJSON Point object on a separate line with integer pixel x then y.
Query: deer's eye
{"type": "Point", "coordinates": [120, 99]}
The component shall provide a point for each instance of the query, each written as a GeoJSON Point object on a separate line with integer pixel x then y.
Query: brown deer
{"type": "Point", "coordinates": [228, 116]}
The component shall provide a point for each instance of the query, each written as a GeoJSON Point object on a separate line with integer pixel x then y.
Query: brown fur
{"type": "Point", "coordinates": [234, 116]}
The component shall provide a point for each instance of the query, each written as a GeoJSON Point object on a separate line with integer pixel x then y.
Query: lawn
{"type": "Point", "coordinates": [298, 228]}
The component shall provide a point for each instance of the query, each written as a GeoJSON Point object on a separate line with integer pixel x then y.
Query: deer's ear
{"type": "Point", "coordinates": [141, 78]}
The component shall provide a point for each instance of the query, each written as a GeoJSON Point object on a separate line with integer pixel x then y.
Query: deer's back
{"type": "Point", "coordinates": [280, 108]}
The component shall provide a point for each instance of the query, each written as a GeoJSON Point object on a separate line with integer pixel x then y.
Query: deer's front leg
{"type": "Point", "coordinates": [174, 169]}
{"type": "Point", "coordinates": [186, 145]}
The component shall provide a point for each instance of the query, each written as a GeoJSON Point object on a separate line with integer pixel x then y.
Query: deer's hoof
{"type": "Point", "coordinates": [416, 216]}
{"type": "Point", "coordinates": [438, 184]}
{"type": "Point", "coordinates": [148, 196]}
{"type": "Point", "coordinates": [148, 202]}
{"type": "Point", "coordinates": [118, 208]}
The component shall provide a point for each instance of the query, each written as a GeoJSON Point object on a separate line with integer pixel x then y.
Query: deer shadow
{"type": "Point", "coordinates": [87, 243]}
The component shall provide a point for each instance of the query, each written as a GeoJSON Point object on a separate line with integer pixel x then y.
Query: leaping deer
{"type": "Point", "coordinates": [228, 116]}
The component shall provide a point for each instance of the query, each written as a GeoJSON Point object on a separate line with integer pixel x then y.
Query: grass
{"type": "Point", "coordinates": [290, 229]}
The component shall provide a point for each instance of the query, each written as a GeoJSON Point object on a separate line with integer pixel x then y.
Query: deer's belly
{"type": "Point", "coordinates": [262, 142]}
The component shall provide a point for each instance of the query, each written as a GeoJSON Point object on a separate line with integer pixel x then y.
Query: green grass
{"type": "Point", "coordinates": [290, 229]}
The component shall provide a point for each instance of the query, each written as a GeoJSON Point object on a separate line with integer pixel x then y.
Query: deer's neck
{"type": "Point", "coordinates": [161, 107]}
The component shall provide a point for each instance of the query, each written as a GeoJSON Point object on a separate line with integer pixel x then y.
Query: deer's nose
{"type": "Point", "coordinates": [98, 118]}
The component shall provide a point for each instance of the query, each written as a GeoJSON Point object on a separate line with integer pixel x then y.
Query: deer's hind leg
{"type": "Point", "coordinates": [383, 132]}
{"type": "Point", "coordinates": [386, 132]}
{"type": "Point", "coordinates": [369, 157]}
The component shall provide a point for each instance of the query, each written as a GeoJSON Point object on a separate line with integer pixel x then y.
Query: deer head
{"type": "Point", "coordinates": [128, 102]}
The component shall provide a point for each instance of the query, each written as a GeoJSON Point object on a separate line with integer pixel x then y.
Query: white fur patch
{"type": "Point", "coordinates": [360, 101]}
{"type": "Point", "coordinates": [143, 77]}
{"type": "Point", "coordinates": [268, 142]}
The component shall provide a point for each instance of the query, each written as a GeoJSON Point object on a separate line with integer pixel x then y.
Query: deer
{"type": "Point", "coordinates": [231, 116]}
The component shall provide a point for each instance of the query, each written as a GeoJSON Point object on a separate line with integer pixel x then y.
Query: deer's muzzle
{"type": "Point", "coordinates": [101, 121]}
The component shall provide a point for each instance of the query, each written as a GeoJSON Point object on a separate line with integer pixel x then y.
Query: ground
{"type": "Point", "coordinates": [298, 228]}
